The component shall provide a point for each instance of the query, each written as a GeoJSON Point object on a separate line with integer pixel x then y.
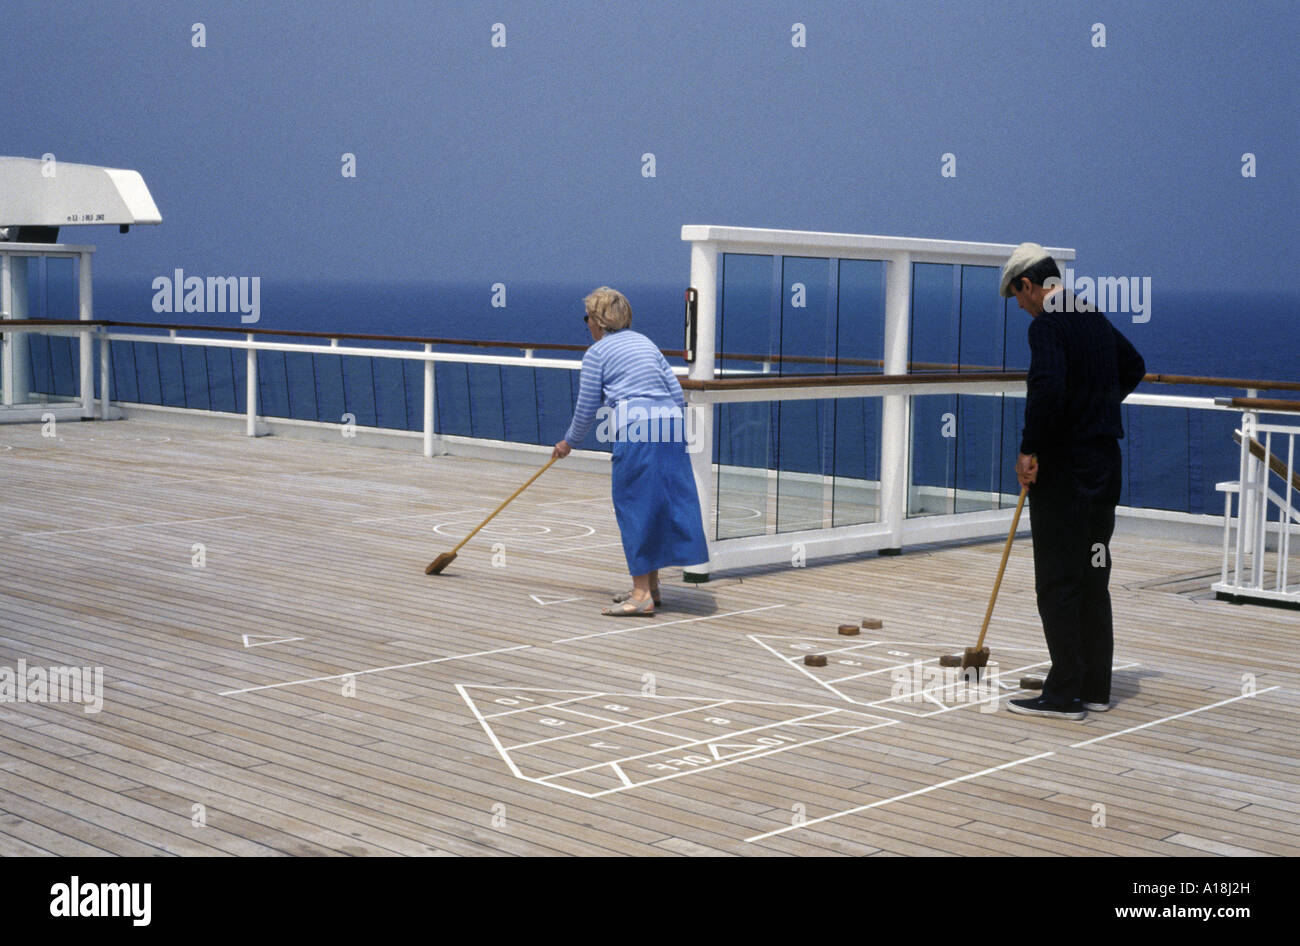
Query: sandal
{"type": "Point", "coordinates": [632, 607]}
{"type": "Point", "coordinates": [627, 596]}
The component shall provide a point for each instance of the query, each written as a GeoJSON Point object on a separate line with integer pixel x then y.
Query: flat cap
{"type": "Point", "coordinates": [1022, 257]}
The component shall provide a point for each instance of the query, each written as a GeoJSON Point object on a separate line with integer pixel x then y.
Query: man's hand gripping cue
{"type": "Point", "coordinates": [1027, 468]}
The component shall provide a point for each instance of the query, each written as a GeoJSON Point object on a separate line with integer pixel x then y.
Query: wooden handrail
{"type": "Point", "coordinates": [836, 380]}
{"type": "Point", "coordinates": [297, 333]}
{"type": "Point", "coordinates": [1274, 463]}
{"type": "Point", "coordinates": [962, 372]}
{"type": "Point", "coordinates": [1266, 404]}
{"type": "Point", "coordinates": [1223, 382]}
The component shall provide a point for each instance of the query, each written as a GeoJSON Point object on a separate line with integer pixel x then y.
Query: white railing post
{"type": "Point", "coordinates": [894, 420]}
{"type": "Point", "coordinates": [1284, 543]}
{"type": "Point", "coordinates": [7, 313]}
{"type": "Point", "coordinates": [250, 426]}
{"type": "Point", "coordinates": [105, 377]}
{"type": "Point", "coordinates": [704, 280]}
{"type": "Point", "coordinates": [428, 403]}
{"type": "Point", "coordinates": [86, 312]}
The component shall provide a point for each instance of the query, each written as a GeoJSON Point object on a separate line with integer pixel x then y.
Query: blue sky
{"type": "Point", "coordinates": [524, 162]}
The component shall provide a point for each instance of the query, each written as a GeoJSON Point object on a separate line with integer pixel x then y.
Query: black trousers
{"type": "Point", "coordinates": [1072, 518]}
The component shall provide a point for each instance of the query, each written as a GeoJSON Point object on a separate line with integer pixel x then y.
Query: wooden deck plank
{"type": "Point", "coordinates": [323, 541]}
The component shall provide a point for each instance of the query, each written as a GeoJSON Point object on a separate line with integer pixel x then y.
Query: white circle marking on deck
{"type": "Point", "coordinates": [529, 529]}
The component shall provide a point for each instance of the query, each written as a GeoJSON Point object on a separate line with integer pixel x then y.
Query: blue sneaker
{"type": "Point", "coordinates": [1041, 707]}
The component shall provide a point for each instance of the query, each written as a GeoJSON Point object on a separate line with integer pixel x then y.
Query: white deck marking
{"type": "Point", "coordinates": [614, 724]}
{"type": "Point", "coordinates": [855, 722]}
{"type": "Point", "coordinates": [1123, 732]}
{"type": "Point", "coordinates": [732, 760]}
{"type": "Point", "coordinates": [1006, 765]}
{"type": "Point", "coordinates": [526, 709]}
{"type": "Point", "coordinates": [138, 525]}
{"type": "Point", "coordinates": [272, 640]}
{"type": "Point", "coordinates": [491, 735]}
{"type": "Point", "coordinates": [905, 795]}
{"type": "Point", "coordinates": [538, 599]}
{"type": "Point", "coordinates": [357, 673]}
{"type": "Point", "coordinates": [657, 625]}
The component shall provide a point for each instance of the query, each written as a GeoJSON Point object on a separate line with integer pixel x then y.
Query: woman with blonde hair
{"type": "Point", "coordinates": [627, 381]}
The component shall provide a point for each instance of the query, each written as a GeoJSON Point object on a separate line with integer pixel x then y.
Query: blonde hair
{"type": "Point", "coordinates": [609, 309]}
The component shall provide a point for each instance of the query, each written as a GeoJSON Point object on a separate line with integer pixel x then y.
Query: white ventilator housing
{"type": "Point", "coordinates": [48, 193]}
{"type": "Point", "coordinates": [38, 197]}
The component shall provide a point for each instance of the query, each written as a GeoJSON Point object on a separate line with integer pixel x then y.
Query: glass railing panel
{"type": "Point", "coordinates": [171, 375]}
{"type": "Point", "coordinates": [743, 434]}
{"type": "Point", "coordinates": [935, 331]}
{"type": "Point", "coordinates": [1013, 422]}
{"type": "Point", "coordinates": [221, 378]}
{"type": "Point", "coordinates": [272, 390]}
{"type": "Point", "coordinates": [486, 402]}
{"type": "Point", "coordinates": [327, 385]}
{"type": "Point", "coordinates": [194, 375]}
{"type": "Point", "coordinates": [805, 443]}
{"type": "Point", "coordinates": [390, 393]}
{"type": "Point", "coordinates": [981, 320]}
{"type": "Point", "coordinates": [978, 472]}
{"type": "Point", "coordinates": [855, 491]}
{"type": "Point", "coordinates": [860, 317]}
{"type": "Point", "coordinates": [556, 395]}
{"type": "Point", "coordinates": [933, 431]}
{"type": "Point", "coordinates": [746, 315]}
{"type": "Point", "coordinates": [359, 390]}
{"type": "Point", "coordinates": [1156, 457]}
{"type": "Point", "coordinates": [519, 397]}
{"type": "Point", "coordinates": [413, 383]}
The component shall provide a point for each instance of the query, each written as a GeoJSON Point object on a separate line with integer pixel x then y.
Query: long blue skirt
{"type": "Point", "coordinates": [657, 507]}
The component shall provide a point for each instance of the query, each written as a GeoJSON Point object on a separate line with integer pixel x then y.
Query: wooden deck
{"type": "Point", "coordinates": [309, 691]}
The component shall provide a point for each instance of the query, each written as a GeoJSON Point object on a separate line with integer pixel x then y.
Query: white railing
{"type": "Point", "coordinates": [1247, 543]}
{"type": "Point", "coordinates": [14, 383]}
{"type": "Point", "coordinates": [708, 243]}
{"type": "Point", "coordinates": [892, 525]}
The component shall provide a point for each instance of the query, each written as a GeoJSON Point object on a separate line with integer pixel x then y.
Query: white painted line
{"type": "Point", "coordinates": [491, 735]}
{"type": "Point", "coordinates": [263, 643]}
{"type": "Point", "coordinates": [903, 797]}
{"type": "Point", "coordinates": [848, 648]}
{"type": "Point", "coordinates": [1122, 732]}
{"type": "Point", "coordinates": [656, 626]}
{"type": "Point", "coordinates": [538, 599]}
{"type": "Point", "coordinates": [615, 724]}
{"type": "Point", "coordinates": [826, 711]}
{"type": "Point", "coordinates": [627, 782]}
{"type": "Point", "coordinates": [529, 709]}
{"type": "Point", "coordinates": [357, 673]}
{"type": "Point", "coordinates": [140, 525]}
{"type": "Point", "coordinates": [749, 757]}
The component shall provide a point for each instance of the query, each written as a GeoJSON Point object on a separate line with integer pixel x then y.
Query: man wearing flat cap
{"type": "Point", "coordinates": [1080, 369]}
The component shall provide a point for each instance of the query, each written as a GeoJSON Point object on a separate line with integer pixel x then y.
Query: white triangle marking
{"type": "Point", "coordinates": [553, 600]}
{"type": "Point", "coordinates": [268, 639]}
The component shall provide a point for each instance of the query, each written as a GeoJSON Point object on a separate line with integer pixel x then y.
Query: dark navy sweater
{"type": "Point", "coordinates": [1080, 369]}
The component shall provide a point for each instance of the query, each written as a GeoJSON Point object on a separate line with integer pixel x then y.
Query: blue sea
{"type": "Point", "coordinates": [1173, 456]}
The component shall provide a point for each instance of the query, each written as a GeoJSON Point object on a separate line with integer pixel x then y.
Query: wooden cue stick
{"type": "Point", "coordinates": [1006, 553]}
{"type": "Point", "coordinates": [504, 505]}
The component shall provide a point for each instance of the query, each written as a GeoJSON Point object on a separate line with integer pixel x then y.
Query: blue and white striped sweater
{"type": "Point", "coordinates": [623, 365]}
